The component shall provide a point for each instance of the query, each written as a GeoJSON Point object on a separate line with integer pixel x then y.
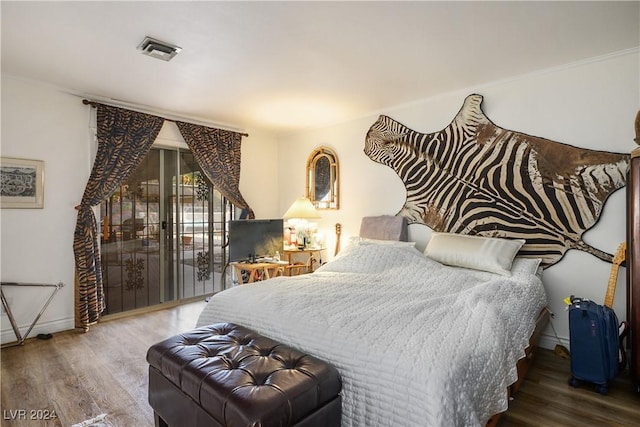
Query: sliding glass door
{"type": "Point", "coordinates": [163, 234]}
{"type": "Point", "coordinates": [201, 226]}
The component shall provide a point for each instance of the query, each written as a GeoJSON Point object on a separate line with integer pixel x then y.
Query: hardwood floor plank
{"type": "Point", "coordinates": [83, 375]}
{"type": "Point", "coordinates": [130, 416]}
{"type": "Point", "coordinates": [547, 399]}
{"type": "Point", "coordinates": [72, 401]}
{"type": "Point", "coordinates": [23, 398]}
{"type": "Point", "coordinates": [104, 371]}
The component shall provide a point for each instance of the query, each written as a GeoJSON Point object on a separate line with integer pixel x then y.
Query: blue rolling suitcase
{"type": "Point", "coordinates": [593, 335]}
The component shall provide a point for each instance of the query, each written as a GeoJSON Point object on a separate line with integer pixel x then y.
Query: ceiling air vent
{"type": "Point", "coordinates": [158, 49]}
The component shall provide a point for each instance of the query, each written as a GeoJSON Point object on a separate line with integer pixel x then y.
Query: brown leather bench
{"type": "Point", "coordinates": [228, 375]}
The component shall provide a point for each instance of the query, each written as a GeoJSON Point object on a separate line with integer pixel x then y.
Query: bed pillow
{"type": "Point", "coordinates": [479, 253]}
{"type": "Point", "coordinates": [397, 243]}
{"type": "Point", "coordinates": [357, 240]}
{"type": "Point", "coordinates": [526, 266]}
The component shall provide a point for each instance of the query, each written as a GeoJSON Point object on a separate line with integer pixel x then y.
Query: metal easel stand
{"type": "Point", "coordinates": [12, 319]}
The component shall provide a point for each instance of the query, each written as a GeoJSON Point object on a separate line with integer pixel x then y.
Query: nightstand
{"type": "Point", "coordinates": [308, 255]}
{"type": "Point", "coordinates": [257, 271]}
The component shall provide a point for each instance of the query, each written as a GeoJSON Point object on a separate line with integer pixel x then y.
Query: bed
{"type": "Point", "coordinates": [416, 342]}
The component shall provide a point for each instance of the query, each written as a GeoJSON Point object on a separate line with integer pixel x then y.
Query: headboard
{"type": "Point", "coordinates": [384, 227]}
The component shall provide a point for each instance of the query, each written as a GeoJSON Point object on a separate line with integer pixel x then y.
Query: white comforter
{"type": "Point", "coordinates": [416, 343]}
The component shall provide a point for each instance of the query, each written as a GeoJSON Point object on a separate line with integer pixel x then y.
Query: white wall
{"type": "Point", "coordinates": [43, 123]}
{"type": "Point", "coordinates": [37, 244]}
{"type": "Point", "coordinates": [591, 105]}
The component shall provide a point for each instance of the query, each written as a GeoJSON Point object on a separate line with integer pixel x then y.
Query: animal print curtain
{"type": "Point", "coordinates": [124, 138]}
{"type": "Point", "coordinates": [217, 152]}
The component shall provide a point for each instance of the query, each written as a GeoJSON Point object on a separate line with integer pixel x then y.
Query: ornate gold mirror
{"type": "Point", "coordinates": [322, 178]}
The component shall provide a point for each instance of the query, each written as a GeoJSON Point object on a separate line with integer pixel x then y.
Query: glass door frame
{"type": "Point", "coordinates": [170, 227]}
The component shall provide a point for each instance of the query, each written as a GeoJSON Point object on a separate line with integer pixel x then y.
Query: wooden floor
{"type": "Point", "coordinates": [80, 376]}
{"type": "Point", "coordinates": [545, 399]}
{"type": "Point", "coordinates": [83, 375]}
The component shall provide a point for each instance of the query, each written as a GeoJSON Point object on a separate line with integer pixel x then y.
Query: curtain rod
{"type": "Point", "coordinates": [94, 104]}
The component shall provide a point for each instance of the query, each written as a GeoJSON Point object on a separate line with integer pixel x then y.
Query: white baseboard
{"type": "Point", "coordinates": [550, 341]}
{"type": "Point", "coordinates": [8, 336]}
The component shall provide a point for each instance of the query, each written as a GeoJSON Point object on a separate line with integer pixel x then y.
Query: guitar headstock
{"type": "Point", "coordinates": [621, 254]}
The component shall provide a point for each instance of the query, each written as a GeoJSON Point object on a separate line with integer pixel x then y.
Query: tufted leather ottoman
{"type": "Point", "coordinates": [228, 375]}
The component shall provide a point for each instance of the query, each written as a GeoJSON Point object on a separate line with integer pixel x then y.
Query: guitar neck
{"type": "Point", "coordinates": [613, 277]}
{"type": "Point", "coordinates": [611, 287]}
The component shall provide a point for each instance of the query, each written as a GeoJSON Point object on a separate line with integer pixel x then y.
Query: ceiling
{"type": "Point", "coordinates": [285, 66]}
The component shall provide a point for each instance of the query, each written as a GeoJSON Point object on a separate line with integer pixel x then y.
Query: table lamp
{"type": "Point", "coordinates": [298, 215]}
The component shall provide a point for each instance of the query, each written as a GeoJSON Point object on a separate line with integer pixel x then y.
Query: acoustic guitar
{"type": "Point", "coordinates": [338, 233]}
{"type": "Point", "coordinates": [623, 329]}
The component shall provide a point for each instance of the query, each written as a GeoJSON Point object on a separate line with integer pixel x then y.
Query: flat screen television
{"type": "Point", "coordinates": [255, 238]}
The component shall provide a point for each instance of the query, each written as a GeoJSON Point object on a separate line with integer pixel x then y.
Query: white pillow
{"type": "Point", "coordinates": [397, 243]}
{"type": "Point", "coordinates": [357, 240]}
{"type": "Point", "coordinates": [526, 266]}
{"type": "Point", "coordinates": [354, 241]}
{"type": "Point", "coordinates": [479, 253]}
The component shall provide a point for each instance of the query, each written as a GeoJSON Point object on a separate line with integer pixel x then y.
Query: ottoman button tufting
{"type": "Point", "coordinates": [228, 375]}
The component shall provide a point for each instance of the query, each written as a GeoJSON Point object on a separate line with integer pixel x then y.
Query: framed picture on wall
{"type": "Point", "coordinates": [21, 183]}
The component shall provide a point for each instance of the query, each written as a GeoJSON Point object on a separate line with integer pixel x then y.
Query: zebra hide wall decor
{"type": "Point", "coordinates": [476, 178]}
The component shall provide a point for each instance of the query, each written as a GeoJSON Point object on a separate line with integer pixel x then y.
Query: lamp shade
{"type": "Point", "coordinates": [302, 208]}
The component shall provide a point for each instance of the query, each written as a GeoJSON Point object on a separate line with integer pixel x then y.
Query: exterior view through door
{"type": "Point", "coordinates": [163, 234]}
